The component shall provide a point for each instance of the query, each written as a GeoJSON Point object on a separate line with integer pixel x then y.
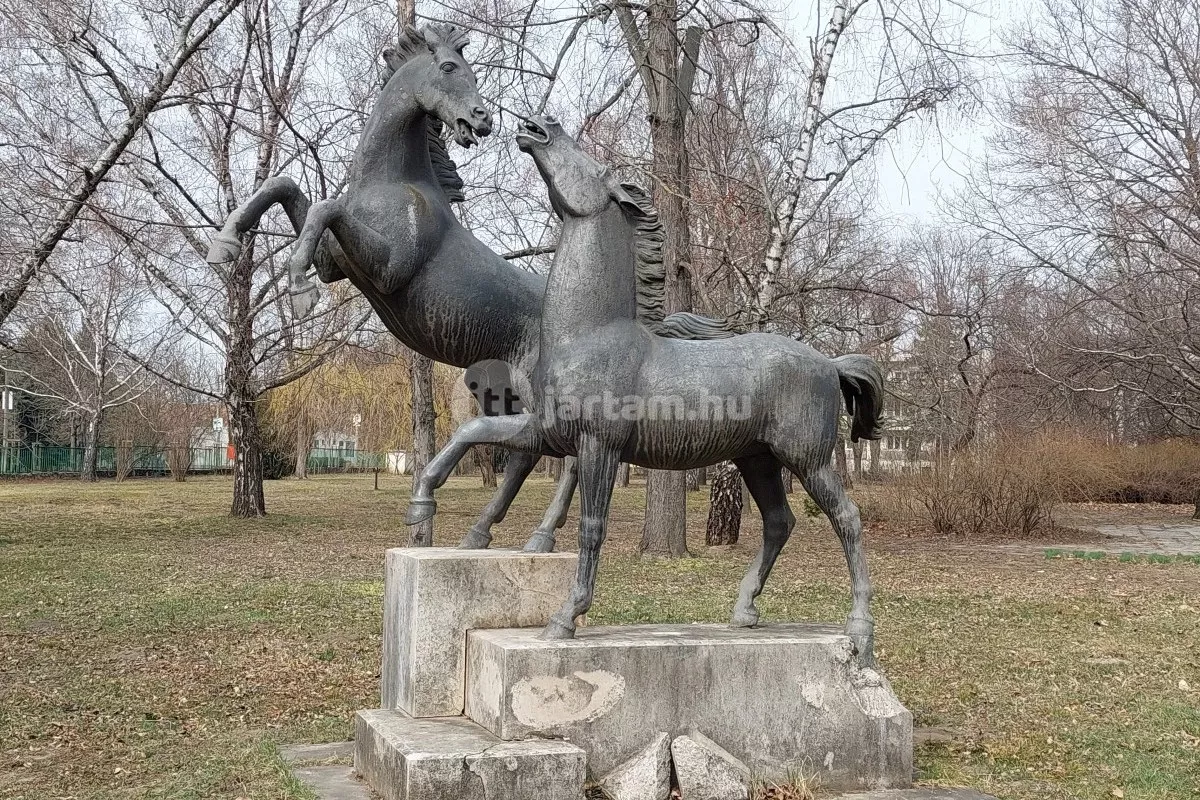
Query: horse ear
{"type": "Point", "coordinates": [627, 196]}
{"type": "Point", "coordinates": [392, 62]}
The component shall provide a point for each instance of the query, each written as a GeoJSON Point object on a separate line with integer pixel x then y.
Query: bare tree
{"type": "Point", "coordinates": [83, 323]}
{"type": "Point", "coordinates": [85, 52]}
{"type": "Point", "coordinates": [250, 95]}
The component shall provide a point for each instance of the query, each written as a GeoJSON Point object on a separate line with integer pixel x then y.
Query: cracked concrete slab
{"type": "Point", "coordinates": [778, 698]}
{"type": "Point", "coordinates": [334, 782]}
{"type": "Point", "coordinates": [916, 794]}
{"type": "Point", "coordinates": [451, 758]}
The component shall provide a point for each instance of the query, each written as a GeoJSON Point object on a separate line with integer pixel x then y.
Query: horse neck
{"type": "Point", "coordinates": [592, 280]}
{"type": "Point", "coordinates": [394, 145]}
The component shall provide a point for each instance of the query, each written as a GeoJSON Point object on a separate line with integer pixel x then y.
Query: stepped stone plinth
{"type": "Point", "coordinates": [778, 698]}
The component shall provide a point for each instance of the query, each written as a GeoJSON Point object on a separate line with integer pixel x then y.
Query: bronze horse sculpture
{"type": "Point", "coordinates": [394, 235]}
{"type": "Point", "coordinates": [600, 387]}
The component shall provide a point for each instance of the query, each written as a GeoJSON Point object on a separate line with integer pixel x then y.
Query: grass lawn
{"type": "Point", "coordinates": [151, 646]}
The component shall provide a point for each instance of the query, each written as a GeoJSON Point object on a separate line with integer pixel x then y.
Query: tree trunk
{"type": "Point", "coordinates": [622, 475]}
{"type": "Point", "coordinates": [667, 83]}
{"type": "Point", "coordinates": [484, 456]}
{"type": "Point", "coordinates": [664, 532]}
{"type": "Point", "coordinates": [91, 448]}
{"type": "Point", "coordinates": [839, 463]}
{"type": "Point", "coordinates": [857, 449]}
{"type": "Point", "coordinates": [554, 468]}
{"type": "Point", "coordinates": [1196, 499]}
{"type": "Point", "coordinates": [246, 438]}
{"type": "Point", "coordinates": [303, 442]}
{"type": "Point", "coordinates": [789, 481]}
{"type": "Point", "coordinates": [424, 417]}
{"type": "Point", "coordinates": [725, 510]}
{"type": "Point", "coordinates": [876, 467]}
{"type": "Point", "coordinates": [692, 480]}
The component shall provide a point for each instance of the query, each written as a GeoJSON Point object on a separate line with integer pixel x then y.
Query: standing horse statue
{"type": "Point", "coordinates": [607, 389]}
{"type": "Point", "coordinates": [394, 235]}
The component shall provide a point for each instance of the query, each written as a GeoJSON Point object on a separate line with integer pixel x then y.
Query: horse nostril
{"type": "Point", "coordinates": [481, 113]}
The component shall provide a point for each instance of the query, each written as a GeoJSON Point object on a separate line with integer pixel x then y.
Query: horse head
{"type": "Point", "coordinates": [440, 79]}
{"type": "Point", "coordinates": [579, 185]}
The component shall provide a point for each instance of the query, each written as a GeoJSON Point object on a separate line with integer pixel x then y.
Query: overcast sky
{"type": "Point", "coordinates": [920, 165]}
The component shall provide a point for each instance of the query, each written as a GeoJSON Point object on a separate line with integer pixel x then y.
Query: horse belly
{"type": "Point", "coordinates": [673, 443]}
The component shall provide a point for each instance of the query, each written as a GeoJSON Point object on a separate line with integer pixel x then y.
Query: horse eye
{"type": "Point", "coordinates": [449, 66]}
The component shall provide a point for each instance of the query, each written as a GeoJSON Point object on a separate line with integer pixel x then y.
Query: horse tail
{"type": "Point", "coordinates": [862, 386]}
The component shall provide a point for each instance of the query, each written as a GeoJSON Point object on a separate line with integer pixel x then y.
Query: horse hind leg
{"type": "Point", "coordinates": [765, 482]}
{"type": "Point", "coordinates": [516, 470]}
{"type": "Point", "coordinates": [543, 538]}
{"type": "Point", "coordinates": [826, 490]}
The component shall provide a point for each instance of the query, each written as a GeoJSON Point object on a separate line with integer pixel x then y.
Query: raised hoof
{"type": "Point", "coordinates": [743, 618]}
{"type": "Point", "coordinates": [475, 540]}
{"type": "Point", "coordinates": [304, 299]}
{"type": "Point", "coordinates": [419, 511]}
{"type": "Point", "coordinates": [557, 631]}
{"type": "Point", "coordinates": [223, 249]}
{"type": "Point", "coordinates": [540, 543]}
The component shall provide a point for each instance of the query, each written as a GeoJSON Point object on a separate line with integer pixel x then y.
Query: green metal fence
{"type": "Point", "coordinates": [144, 460]}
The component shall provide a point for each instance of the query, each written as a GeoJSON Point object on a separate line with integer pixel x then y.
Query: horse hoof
{"type": "Point", "coordinates": [862, 636]}
{"type": "Point", "coordinates": [864, 650]}
{"type": "Point", "coordinates": [304, 300]}
{"type": "Point", "coordinates": [743, 618]}
{"type": "Point", "coordinates": [540, 543]}
{"type": "Point", "coordinates": [475, 540]}
{"type": "Point", "coordinates": [556, 631]}
{"type": "Point", "coordinates": [419, 511]}
{"type": "Point", "coordinates": [223, 249]}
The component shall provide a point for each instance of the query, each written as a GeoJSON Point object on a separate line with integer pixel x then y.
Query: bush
{"type": "Point", "coordinates": [1013, 486]}
{"type": "Point", "coordinates": [996, 489]}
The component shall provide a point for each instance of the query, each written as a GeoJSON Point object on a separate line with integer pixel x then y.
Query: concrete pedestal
{"type": "Point", "coordinates": [778, 698]}
{"type": "Point", "coordinates": [433, 596]}
{"type": "Point", "coordinates": [453, 758]}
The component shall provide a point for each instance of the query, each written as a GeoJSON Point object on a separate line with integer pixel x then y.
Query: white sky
{"type": "Point", "coordinates": [923, 164]}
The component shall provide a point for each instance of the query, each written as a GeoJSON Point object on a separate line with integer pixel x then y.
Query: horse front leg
{"type": "Point", "coordinates": [358, 241]}
{"type": "Point", "coordinates": [516, 432]}
{"type": "Point", "coordinates": [598, 462]}
{"type": "Point", "coordinates": [226, 246]}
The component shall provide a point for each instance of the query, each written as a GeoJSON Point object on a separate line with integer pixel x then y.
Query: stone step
{"type": "Point", "coordinates": [452, 758]}
{"type": "Point", "coordinates": [778, 698]}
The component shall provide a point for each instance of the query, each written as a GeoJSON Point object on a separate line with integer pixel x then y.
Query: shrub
{"type": "Point", "coordinates": [1000, 488]}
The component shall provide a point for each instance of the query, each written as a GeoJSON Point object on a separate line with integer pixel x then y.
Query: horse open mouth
{"type": "Point", "coordinates": [465, 135]}
{"type": "Point", "coordinates": [530, 133]}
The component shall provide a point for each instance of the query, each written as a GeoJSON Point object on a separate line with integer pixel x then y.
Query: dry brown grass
{"type": "Point", "coordinates": [150, 646]}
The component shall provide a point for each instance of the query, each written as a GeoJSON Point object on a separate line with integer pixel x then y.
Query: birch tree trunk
{"type": "Point", "coordinates": [91, 447]}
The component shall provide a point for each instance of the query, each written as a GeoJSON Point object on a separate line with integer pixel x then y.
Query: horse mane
{"type": "Point", "coordinates": [412, 43]}
{"type": "Point", "coordinates": [651, 276]}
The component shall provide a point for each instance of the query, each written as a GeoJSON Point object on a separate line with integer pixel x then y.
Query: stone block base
{"type": "Point", "coordinates": [452, 758]}
{"type": "Point", "coordinates": [434, 595]}
{"type": "Point", "coordinates": [779, 698]}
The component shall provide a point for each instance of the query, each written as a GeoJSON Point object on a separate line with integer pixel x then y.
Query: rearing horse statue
{"type": "Point", "coordinates": [607, 389]}
{"type": "Point", "coordinates": [394, 235]}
